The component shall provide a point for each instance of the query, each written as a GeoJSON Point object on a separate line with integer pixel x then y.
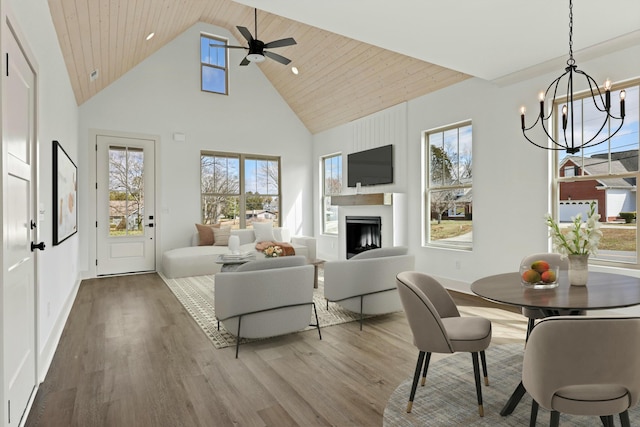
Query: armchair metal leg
{"type": "Point", "coordinates": [483, 359]}
{"type": "Point", "coordinates": [416, 375]}
{"type": "Point", "coordinates": [476, 374]}
{"type": "Point", "coordinates": [361, 308]}
{"type": "Point", "coordinates": [317, 322]}
{"type": "Point", "coordinates": [555, 419]}
{"type": "Point", "coordinates": [426, 367]}
{"type": "Point", "coordinates": [534, 413]}
{"type": "Point", "coordinates": [238, 336]}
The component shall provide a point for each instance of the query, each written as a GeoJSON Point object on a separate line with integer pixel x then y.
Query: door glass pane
{"type": "Point", "coordinates": [126, 191]}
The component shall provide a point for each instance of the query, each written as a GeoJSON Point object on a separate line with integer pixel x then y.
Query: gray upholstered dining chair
{"type": "Point", "coordinates": [583, 365]}
{"type": "Point", "coordinates": [532, 314]}
{"type": "Point", "coordinates": [437, 327]}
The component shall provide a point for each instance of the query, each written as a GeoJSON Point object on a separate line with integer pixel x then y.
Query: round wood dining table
{"type": "Point", "coordinates": [603, 291]}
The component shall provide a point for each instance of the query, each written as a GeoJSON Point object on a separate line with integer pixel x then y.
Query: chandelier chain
{"type": "Point", "coordinates": [571, 61]}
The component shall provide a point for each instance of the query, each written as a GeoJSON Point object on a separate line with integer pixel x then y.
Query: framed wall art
{"type": "Point", "coordinates": [65, 195]}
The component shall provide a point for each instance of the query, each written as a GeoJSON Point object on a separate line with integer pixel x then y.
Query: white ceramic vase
{"type": "Point", "coordinates": [578, 270]}
{"type": "Point", "coordinates": [234, 244]}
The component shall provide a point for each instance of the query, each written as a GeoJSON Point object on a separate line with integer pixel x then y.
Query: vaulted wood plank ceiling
{"type": "Point", "coordinates": [340, 79]}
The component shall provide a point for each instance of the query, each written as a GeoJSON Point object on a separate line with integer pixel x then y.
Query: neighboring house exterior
{"type": "Point", "coordinates": [612, 195]}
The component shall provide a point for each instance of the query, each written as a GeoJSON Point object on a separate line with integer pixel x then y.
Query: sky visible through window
{"type": "Point", "coordinates": [213, 63]}
{"type": "Point", "coordinates": [626, 139]}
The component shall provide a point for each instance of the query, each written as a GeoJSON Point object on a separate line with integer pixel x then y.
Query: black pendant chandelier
{"type": "Point", "coordinates": [566, 137]}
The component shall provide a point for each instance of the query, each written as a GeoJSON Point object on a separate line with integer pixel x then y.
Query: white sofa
{"type": "Point", "coordinates": [366, 283]}
{"type": "Point", "coordinates": [266, 297]}
{"type": "Point", "coordinates": [201, 260]}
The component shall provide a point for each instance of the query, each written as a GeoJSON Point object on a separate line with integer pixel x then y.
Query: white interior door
{"type": "Point", "coordinates": [125, 205]}
{"type": "Point", "coordinates": [18, 287]}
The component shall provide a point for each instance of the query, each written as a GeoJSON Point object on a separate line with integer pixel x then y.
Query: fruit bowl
{"type": "Point", "coordinates": [539, 276]}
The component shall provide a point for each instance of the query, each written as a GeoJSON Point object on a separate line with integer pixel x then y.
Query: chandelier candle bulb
{"type": "Point", "coordinates": [541, 98]}
{"type": "Point", "coordinates": [522, 111]}
{"type": "Point", "coordinates": [623, 95]}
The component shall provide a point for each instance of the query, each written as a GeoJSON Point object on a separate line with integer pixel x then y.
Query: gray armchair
{"type": "Point", "coordinates": [266, 297]}
{"type": "Point", "coordinates": [583, 366]}
{"type": "Point", "coordinates": [365, 283]}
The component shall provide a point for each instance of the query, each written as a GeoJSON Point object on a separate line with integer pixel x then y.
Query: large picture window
{"type": "Point", "coordinates": [606, 173]}
{"type": "Point", "coordinates": [239, 189]}
{"type": "Point", "coordinates": [332, 185]}
{"type": "Point", "coordinates": [448, 195]}
{"type": "Point", "coordinates": [213, 64]}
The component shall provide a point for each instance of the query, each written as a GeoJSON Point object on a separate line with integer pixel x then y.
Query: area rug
{"type": "Point", "coordinates": [197, 296]}
{"type": "Point", "coordinates": [449, 396]}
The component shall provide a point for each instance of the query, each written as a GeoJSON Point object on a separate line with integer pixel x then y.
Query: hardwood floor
{"type": "Point", "coordinates": [130, 355]}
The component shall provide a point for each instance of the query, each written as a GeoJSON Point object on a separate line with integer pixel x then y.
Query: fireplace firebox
{"type": "Point", "coordinates": [363, 233]}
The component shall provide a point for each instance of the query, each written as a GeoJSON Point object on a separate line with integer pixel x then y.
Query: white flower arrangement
{"type": "Point", "coordinates": [272, 251]}
{"type": "Point", "coordinates": [578, 240]}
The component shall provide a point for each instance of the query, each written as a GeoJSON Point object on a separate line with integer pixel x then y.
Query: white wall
{"type": "Point", "coordinates": [58, 268]}
{"type": "Point", "coordinates": [511, 184]}
{"type": "Point", "coordinates": [162, 96]}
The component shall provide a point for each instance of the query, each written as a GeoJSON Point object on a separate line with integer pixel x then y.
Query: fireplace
{"type": "Point", "coordinates": [362, 234]}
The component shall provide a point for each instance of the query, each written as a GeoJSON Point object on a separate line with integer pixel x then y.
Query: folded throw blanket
{"type": "Point", "coordinates": [287, 249]}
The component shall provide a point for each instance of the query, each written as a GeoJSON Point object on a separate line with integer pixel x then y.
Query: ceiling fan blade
{"type": "Point", "coordinates": [281, 59]}
{"type": "Point", "coordinates": [228, 46]}
{"type": "Point", "coordinates": [280, 43]}
{"type": "Point", "coordinates": [245, 32]}
{"type": "Point", "coordinates": [245, 61]}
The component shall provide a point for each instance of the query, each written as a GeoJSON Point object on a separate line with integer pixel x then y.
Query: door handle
{"type": "Point", "coordinates": [38, 246]}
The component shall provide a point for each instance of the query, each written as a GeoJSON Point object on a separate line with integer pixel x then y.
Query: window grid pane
{"type": "Point", "coordinates": [223, 200]}
{"type": "Point", "coordinates": [332, 179]}
{"type": "Point", "coordinates": [606, 173]}
{"type": "Point", "coordinates": [449, 196]}
{"type": "Point", "coordinates": [213, 64]}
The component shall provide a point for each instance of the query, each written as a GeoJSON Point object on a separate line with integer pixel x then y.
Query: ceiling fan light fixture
{"type": "Point", "coordinates": [255, 57]}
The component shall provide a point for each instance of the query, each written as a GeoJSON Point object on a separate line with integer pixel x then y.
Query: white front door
{"type": "Point", "coordinates": [18, 286]}
{"type": "Point", "coordinates": [125, 205]}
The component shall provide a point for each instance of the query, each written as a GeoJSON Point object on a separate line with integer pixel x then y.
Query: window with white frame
{"type": "Point", "coordinates": [332, 185]}
{"type": "Point", "coordinates": [239, 189]}
{"type": "Point", "coordinates": [213, 64]}
{"type": "Point", "coordinates": [606, 173]}
{"type": "Point", "coordinates": [449, 179]}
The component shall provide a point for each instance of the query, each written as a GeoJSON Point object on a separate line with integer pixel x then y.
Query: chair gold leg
{"type": "Point", "coordinates": [481, 410]}
{"type": "Point", "coordinates": [409, 406]}
{"type": "Point", "coordinates": [424, 381]}
{"type": "Point", "coordinates": [486, 380]}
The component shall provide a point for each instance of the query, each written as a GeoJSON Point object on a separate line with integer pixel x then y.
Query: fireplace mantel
{"type": "Point", "coordinates": [363, 199]}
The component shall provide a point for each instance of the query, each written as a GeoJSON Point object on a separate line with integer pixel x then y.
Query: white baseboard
{"type": "Point", "coordinates": [45, 356]}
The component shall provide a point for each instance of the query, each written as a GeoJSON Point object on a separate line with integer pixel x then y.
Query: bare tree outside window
{"type": "Point", "coordinates": [332, 177]}
{"type": "Point", "coordinates": [449, 183]}
{"type": "Point", "coordinates": [126, 191]}
{"type": "Point", "coordinates": [237, 189]}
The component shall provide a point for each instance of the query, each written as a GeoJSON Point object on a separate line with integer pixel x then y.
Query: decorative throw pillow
{"type": "Point", "coordinates": [263, 231]}
{"type": "Point", "coordinates": [221, 236]}
{"type": "Point", "coordinates": [205, 234]}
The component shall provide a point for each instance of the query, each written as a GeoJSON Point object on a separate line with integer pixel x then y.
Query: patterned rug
{"type": "Point", "coordinates": [449, 396]}
{"type": "Point", "coordinates": [196, 295]}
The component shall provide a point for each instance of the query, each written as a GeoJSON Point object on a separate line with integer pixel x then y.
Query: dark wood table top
{"type": "Point", "coordinates": [603, 291]}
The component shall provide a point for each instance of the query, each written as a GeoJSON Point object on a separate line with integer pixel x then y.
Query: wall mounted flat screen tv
{"type": "Point", "coordinates": [370, 167]}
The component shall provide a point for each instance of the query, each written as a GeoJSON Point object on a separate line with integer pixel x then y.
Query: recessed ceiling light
{"type": "Point", "coordinates": [294, 70]}
{"type": "Point", "coordinates": [150, 36]}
